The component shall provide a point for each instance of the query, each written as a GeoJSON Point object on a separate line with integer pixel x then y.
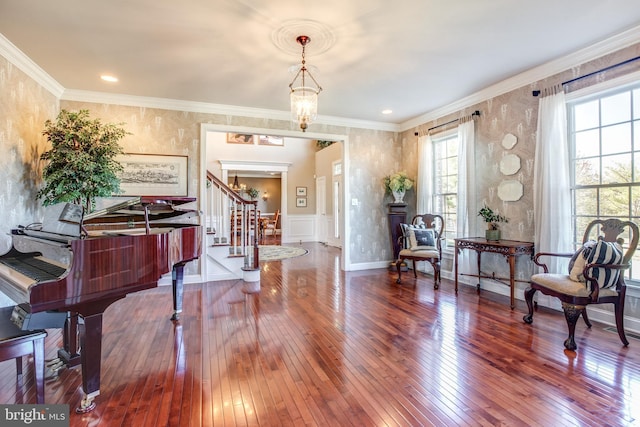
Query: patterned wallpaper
{"type": "Point", "coordinates": [24, 107]}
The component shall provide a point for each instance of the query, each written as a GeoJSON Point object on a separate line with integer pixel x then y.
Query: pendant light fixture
{"type": "Point", "coordinates": [304, 99]}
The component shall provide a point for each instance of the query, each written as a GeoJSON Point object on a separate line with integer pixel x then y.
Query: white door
{"type": "Point", "coordinates": [321, 208]}
{"type": "Point", "coordinates": [336, 198]}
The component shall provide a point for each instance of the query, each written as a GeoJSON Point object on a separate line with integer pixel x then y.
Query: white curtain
{"type": "Point", "coordinates": [466, 211]}
{"type": "Point", "coordinates": [424, 182]}
{"type": "Point", "coordinates": [466, 226]}
{"type": "Point", "coordinates": [551, 190]}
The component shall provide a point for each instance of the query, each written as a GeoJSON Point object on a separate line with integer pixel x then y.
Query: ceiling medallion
{"type": "Point", "coordinates": [284, 37]}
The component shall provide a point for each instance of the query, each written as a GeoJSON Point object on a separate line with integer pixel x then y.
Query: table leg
{"type": "Point", "coordinates": [479, 271]}
{"type": "Point", "coordinates": [512, 281]}
{"type": "Point", "coordinates": [455, 266]}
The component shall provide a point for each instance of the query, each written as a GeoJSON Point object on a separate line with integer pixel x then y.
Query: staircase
{"type": "Point", "coordinates": [232, 234]}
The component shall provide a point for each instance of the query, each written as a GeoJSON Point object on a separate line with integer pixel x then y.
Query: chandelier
{"type": "Point", "coordinates": [304, 99]}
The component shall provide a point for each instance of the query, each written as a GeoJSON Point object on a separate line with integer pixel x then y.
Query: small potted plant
{"type": "Point", "coordinates": [397, 184]}
{"type": "Point", "coordinates": [492, 219]}
{"type": "Point", "coordinates": [252, 193]}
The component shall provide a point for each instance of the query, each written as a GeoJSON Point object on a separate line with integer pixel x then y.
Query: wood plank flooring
{"type": "Point", "coordinates": [320, 347]}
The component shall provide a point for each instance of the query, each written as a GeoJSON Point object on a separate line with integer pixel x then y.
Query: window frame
{"type": "Point", "coordinates": [628, 83]}
{"type": "Point", "coordinates": [450, 218]}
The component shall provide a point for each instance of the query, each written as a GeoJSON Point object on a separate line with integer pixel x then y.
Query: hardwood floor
{"type": "Point", "coordinates": [317, 346]}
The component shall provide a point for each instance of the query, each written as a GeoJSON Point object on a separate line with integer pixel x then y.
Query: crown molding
{"type": "Point", "coordinates": [207, 108]}
{"type": "Point", "coordinates": [595, 51]}
{"type": "Point", "coordinates": [16, 57]}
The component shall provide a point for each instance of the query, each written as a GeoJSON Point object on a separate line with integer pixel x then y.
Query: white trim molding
{"type": "Point", "coordinates": [30, 68]}
{"type": "Point", "coordinates": [610, 45]}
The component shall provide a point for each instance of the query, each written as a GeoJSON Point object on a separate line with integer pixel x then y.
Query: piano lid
{"type": "Point", "coordinates": [130, 204]}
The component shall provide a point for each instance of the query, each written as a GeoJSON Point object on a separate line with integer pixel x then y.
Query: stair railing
{"type": "Point", "coordinates": [233, 220]}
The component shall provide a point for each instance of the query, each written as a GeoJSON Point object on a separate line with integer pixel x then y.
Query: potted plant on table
{"type": "Point", "coordinates": [492, 219]}
{"type": "Point", "coordinates": [397, 184]}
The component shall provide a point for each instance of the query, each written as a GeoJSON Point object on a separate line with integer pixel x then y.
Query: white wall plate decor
{"type": "Point", "coordinates": [509, 141]}
{"type": "Point", "coordinates": [510, 190]}
{"type": "Point", "coordinates": [510, 164]}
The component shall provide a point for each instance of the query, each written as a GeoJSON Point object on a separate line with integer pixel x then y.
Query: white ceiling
{"type": "Point", "coordinates": [412, 56]}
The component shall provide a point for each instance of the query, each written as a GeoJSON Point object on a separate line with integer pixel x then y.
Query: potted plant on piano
{"type": "Point", "coordinates": [82, 161]}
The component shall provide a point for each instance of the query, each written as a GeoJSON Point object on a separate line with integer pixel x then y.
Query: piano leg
{"type": "Point", "coordinates": [91, 355]}
{"type": "Point", "coordinates": [70, 354]}
{"type": "Point", "coordinates": [177, 276]}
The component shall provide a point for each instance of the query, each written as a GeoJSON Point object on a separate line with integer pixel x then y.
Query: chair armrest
{"type": "Point", "coordinates": [402, 241]}
{"type": "Point", "coordinates": [536, 259]}
{"type": "Point", "coordinates": [593, 282]}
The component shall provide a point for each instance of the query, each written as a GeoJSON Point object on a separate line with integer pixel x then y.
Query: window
{"type": "Point", "coordinates": [445, 191]}
{"type": "Point", "coordinates": [604, 138]}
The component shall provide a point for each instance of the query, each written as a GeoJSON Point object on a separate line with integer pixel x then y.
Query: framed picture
{"type": "Point", "coordinates": [239, 138]}
{"type": "Point", "coordinates": [301, 202]}
{"type": "Point", "coordinates": [153, 175]}
{"type": "Point", "coordinates": [271, 140]}
{"type": "Point", "coordinates": [301, 191]}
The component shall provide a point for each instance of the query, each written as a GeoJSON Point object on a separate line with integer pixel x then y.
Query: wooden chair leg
{"type": "Point", "coordinates": [528, 297]}
{"type": "Point", "coordinates": [415, 268]}
{"type": "Point", "coordinates": [571, 313]}
{"type": "Point", "coordinates": [436, 273]}
{"type": "Point", "coordinates": [399, 268]}
{"type": "Point", "coordinates": [585, 317]}
{"type": "Point", "coordinates": [619, 312]}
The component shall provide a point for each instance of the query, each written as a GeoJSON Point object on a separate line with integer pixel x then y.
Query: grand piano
{"type": "Point", "coordinates": [75, 265]}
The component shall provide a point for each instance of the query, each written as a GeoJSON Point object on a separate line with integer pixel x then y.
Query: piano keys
{"type": "Point", "coordinates": [77, 265]}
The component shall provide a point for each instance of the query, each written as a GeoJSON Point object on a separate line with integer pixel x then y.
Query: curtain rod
{"type": "Point", "coordinates": [537, 92]}
{"type": "Point", "coordinates": [475, 113]}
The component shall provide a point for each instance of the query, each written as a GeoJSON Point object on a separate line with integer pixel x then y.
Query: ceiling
{"type": "Point", "coordinates": [411, 56]}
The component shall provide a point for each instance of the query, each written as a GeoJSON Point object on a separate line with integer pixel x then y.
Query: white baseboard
{"type": "Point", "coordinates": [369, 265]}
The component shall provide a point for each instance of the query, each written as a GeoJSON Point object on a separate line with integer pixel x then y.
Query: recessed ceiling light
{"type": "Point", "coordinates": [109, 78]}
{"type": "Point", "coordinates": [387, 111]}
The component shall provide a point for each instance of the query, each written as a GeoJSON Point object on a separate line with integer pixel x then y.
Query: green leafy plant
{"type": "Point", "coordinates": [323, 144]}
{"type": "Point", "coordinates": [252, 192]}
{"type": "Point", "coordinates": [491, 218]}
{"type": "Point", "coordinates": [398, 182]}
{"type": "Point", "coordinates": [82, 161]}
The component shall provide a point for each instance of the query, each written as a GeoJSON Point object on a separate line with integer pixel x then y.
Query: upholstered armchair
{"type": "Point", "coordinates": [595, 276]}
{"type": "Point", "coordinates": [272, 224]}
{"type": "Point", "coordinates": [421, 241]}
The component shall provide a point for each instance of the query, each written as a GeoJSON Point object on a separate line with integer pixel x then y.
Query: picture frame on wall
{"type": "Point", "coordinates": [301, 191]}
{"type": "Point", "coordinates": [240, 138]}
{"type": "Point", "coordinates": [153, 175]}
{"type": "Point", "coordinates": [301, 202]}
{"type": "Point", "coordinates": [271, 140]}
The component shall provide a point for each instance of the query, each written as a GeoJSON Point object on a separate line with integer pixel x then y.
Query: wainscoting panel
{"type": "Point", "coordinates": [301, 228]}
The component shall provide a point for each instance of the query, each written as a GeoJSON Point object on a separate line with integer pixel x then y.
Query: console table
{"type": "Point", "coordinates": [508, 248]}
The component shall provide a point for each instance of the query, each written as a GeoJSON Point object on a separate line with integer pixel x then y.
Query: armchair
{"type": "Point", "coordinates": [596, 276]}
{"type": "Point", "coordinates": [421, 241]}
{"type": "Point", "coordinates": [273, 224]}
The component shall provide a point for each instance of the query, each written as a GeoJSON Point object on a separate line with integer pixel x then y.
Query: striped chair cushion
{"type": "Point", "coordinates": [605, 253]}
